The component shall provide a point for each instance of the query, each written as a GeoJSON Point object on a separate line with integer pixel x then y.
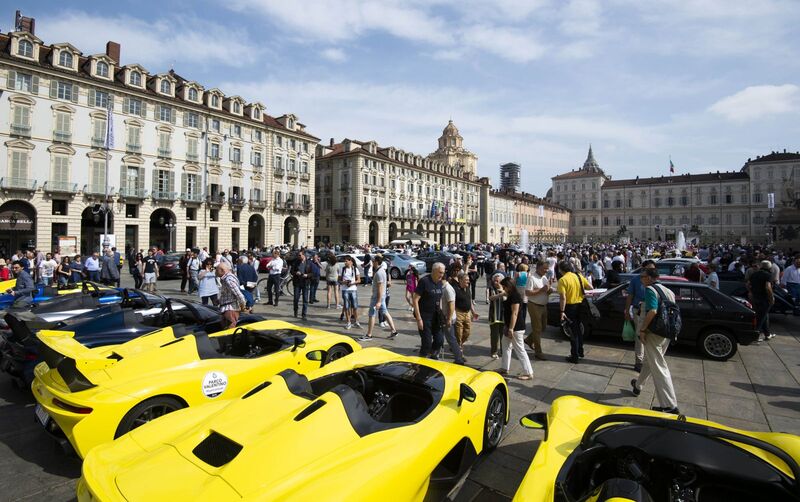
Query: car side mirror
{"type": "Point", "coordinates": [534, 421]}
{"type": "Point", "coordinates": [314, 355]}
{"type": "Point", "coordinates": [466, 393]}
{"type": "Point", "coordinates": [299, 343]}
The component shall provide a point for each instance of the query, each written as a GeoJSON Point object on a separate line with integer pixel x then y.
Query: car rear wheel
{"type": "Point", "coordinates": [495, 421]}
{"type": "Point", "coordinates": [336, 352]}
{"type": "Point", "coordinates": [147, 411]}
{"type": "Point", "coordinates": [717, 344]}
{"type": "Point", "coordinates": [395, 273]}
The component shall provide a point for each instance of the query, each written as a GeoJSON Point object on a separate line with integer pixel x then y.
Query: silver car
{"type": "Point", "coordinates": [398, 264]}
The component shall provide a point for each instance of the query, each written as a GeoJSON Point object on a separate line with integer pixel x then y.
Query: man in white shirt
{"type": "Point", "coordinates": [538, 293]}
{"type": "Point", "coordinates": [193, 269]}
{"type": "Point", "coordinates": [275, 269]}
{"type": "Point", "coordinates": [791, 278]}
{"type": "Point", "coordinates": [47, 269]}
{"type": "Point", "coordinates": [203, 255]}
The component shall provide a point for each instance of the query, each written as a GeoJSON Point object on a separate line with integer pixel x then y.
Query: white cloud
{"type": "Point", "coordinates": [508, 43]}
{"type": "Point", "coordinates": [175, 40]}
{"type": "Point", "coordinates": [581, 18]}
{"type": "Point", "coordinates": [758, 101]}
{"type": "Point", "coordinates": [334, 54]}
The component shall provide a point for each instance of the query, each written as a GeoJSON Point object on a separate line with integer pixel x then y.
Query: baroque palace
{"type": "Point", "coordinates": [189, 165]}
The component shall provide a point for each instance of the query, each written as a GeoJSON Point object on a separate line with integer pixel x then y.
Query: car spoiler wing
{"type": "Point", "coordinates": [58, 346]}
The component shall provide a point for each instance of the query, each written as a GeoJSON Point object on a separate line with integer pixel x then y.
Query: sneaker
{"type": "Point", "coordinates": [384, 324]}
{"type": "Point", "coordinates": [393, 335]}
{"type": "Point", "coordinates": [525, 377]}
{"type": "Point", "coordinates": [636, 390]}
{"type": "Point", "coordinates": [338, 306]}
{"type": "Point", "coordinates": [494, 356]}
{"type": "Point", "coordinates": [364, 338]}
{"type": "Point", "coordinates": [348, 326]}
{"type": "Point", "coordinates": [358, 325]}
{"type": "Point", "coordinates": [770, 336]}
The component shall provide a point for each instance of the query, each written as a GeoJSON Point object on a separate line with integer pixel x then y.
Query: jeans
{"type": "Point", "coordinates": [382, 312]}
{"type": "Point", "coordinates": [274, 285]}
{"type": "Point", "coordinates": [573, 312]}
{"type": "Point", "coordinates": [452, 342]}
{"type": "Point", "coordinates": [47, 280]}
{"type": "Point", "coordinates": [312, 290]}
{"type": "Point", "coordinates": [495, 334]}
{"type": "Point", "coordinates": [137, 280]}
{"type": "Point", "coordinates": [432, 339]}
{"type": "Point", "coordinates": [193, 281]}
{"type": "Point", "coordinates": [94, 275]}
{"type": "Point", "coordinates": [300, 291]}
{"type": "Point", "coordinates": [794, 290]}
{"type": "Point", "coordinates": [213, 298]}
{"type": "Point", "coordinates": [762, 316]}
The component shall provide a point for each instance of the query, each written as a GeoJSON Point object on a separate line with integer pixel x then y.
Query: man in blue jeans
{"type": "Point", "coordinates": [428, 311]}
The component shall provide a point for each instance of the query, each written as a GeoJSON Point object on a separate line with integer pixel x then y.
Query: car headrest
{"type": "Point", "coordinates": [297, 384]}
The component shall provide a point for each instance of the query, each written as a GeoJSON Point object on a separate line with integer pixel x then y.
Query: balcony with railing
{"type": "Point", "coordinates": [257, 203]}
{"type": "Point", "coordinates": [341, 211]}
{"type": "Point", "coordinates": [132, 193]}
{"type": "Point", "coordinates": [236, 200]}
{"type": "Point", "coordinates": [164, 153]}
{"type": "Point", "coordinates": [164, 195]}
{"type": "Point", "coordinates": [214, 160]}
{"type": "Point", "coordinates": [63, 187]}
{"type": "Point", "coordinates": [21, 130]}
{"type": "Point", "coordinates": [18, 184]}
{"type": "Point", "coordinates": [258, 167]}
{"type": "Point", "coordinates": [192, 197]}
{"type": "Point", "coordinates": [64, 137]}
{"type": "Point", "coordinates": [291, 174]}
{"type": "Point", "coordinates": [305, 176]}
{"type": "Point", "coordinates": [279, 171]}
{"type": "Point", "coordinates": [216, 199]}
{"type": "Point", "coordinates": [236, 164]}
{"type": "Point", "coordinates": [192, 157]}
{"type": "Point", "coordinates": [374, 212]}
{"type": "Point", "coordinates": [98, 142]}
{"type": "Point", "coordinates": [96, 190]}
{"type": "Point", "coordinates": [133, 148]}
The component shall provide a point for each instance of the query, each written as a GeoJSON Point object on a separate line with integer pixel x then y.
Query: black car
{"type": "Point", "coordinates": [169, 266]}
{"type": "Point", "coordinates": [139, 313]}
{"type": "Point", "coordinates": [712, 321]}
{"type": "Point", "coordinates": [431, 257]}
{"type": "Point", "coordinates": [784, 303]}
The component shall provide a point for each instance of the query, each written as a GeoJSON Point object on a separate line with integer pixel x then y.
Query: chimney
{"type": "Point", "coordinates": [22, 23]}
{"type": "Point", "coordinates": [332, 143]}
{"type": "Point", "coordinates": [112, 51]}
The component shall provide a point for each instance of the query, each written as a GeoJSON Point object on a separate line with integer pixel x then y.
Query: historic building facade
{"type": "Point", "coordinates": [189, 166]}
{"type": "Point", "coordinates": [712, 206]}
{"type": "Point", "coordinates": [510, 212]}
{"type": "Point", "coordinates": [367, 193]}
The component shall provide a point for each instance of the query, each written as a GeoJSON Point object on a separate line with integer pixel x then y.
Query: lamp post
{"type": "Point", "coordinates": [171, 226]}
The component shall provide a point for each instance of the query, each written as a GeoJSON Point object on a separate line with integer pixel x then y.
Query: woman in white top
{"type": "Point", "coordinates": [207, 288]}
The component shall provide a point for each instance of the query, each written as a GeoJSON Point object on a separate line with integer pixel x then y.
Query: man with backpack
{"type": "Point", "coordinates": [661, 324]}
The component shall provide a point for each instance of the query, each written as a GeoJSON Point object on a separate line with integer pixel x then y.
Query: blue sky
{"type": "Point", "coordinates": [709, 82]}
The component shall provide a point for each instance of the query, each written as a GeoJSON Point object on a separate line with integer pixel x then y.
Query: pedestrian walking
{"type": "Point", "coordinates": [193, 270]}
{"type": "Point", "coordinates": [634, 312]}
{"type": "Point", "coordinates": [248, 279]}
{"type": "Point", "coordinates": [331, 280]}
{"type": "Point", "coordinates": [275, 270]}
{"type": "Point", "coordinates": [537, 291]}
{"type": "Point", "coordinates": [301, 271]}
{"type": "Point", "coordinates": [791, 279]}
{"type": "Point", "coordinates": [109, 273]}
{"type": "Point", "coordinates": [449, 309]}
{"type": "Point", "coordinates": [92, 267]}
{"type": "Point", "coordinates": [183, 263]}
{"type": "Point", "coordinates": [349, 279]}
{"type": "Point", "coordinates": [412, 278]}
{"type": "Point", "coordinates": [231, 299]}
{"type": "Point", "coordinates": [380, 281]}
{"type": "Point", "coordinates": [762, 297]}
{"type": "Point", "coordinates": [428, 312]}
{"type": "Point", "coordinates": [571, 286]}
{"type": "Point", "coordinates": [313, 280]}
{"type": "Point", "coordinates": [496, 319]}
{"type": "Point", "coordinates": [655, 347]}
{"type": "Point", "coordinates": [150, 272]}
{"type": "Point", "coordinates": [464, 307]}
{"type": "Point", "coordinates": [514, 315]}
{"type": "Point", "coordinates": [207, 288]}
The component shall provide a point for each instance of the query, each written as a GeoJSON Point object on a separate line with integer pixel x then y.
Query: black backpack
{"type": "Point", "coordinates": [667, 322]}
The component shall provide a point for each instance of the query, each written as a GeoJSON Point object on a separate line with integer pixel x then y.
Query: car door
{"type": "Point", "coordinates": [612, 311]}
{"type": "Point", "coordinates": [696, 311]}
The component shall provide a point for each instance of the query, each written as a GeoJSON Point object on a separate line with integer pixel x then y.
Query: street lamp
{"type": "Point", "coordinates": [171, 226]}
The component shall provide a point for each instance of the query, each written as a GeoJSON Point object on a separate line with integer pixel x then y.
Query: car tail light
{"type": "Point", "coordinates": [30, 356]}
{"type": "Point", "coordinates": [74, 409]}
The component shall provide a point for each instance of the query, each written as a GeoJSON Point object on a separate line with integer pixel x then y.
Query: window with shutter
{"type": "Point", "coordinates": [98, 176]}
{"type": "Point", "coordinates": [99, 132]}
{"type": "Point", "coordinates": [60, 169]}
{"type": "Point", "coordinates": [19, 165]}
{"type": "Point", "coordinates": [63, 122]}
{"type": "Point", "coordinates": [22, 115]}
{"type": "Point", "coordinates": [170, 181]}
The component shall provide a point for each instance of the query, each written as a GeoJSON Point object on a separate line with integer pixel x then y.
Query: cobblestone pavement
{"type": "Point", "coordinates": [757, 389]}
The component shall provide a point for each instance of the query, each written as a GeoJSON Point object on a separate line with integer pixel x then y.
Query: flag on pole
{"type": "Point", "coordinates": [433, 209]}
{"type": "Point", "coordinates": [671, 166]}
{"type": "Point", "coordinates": [110, 124]}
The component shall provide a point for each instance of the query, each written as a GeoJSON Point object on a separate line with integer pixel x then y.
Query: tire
{"type": "Point", "coordinates": [717, 344]}
{"type": "Point", "coordinates": [336, 352]}
{"type": "Point", "coordinates": [395, 273]}
{"type": "Point", "coordinates": [495, 421]}
{"type": "Point", "coordinates": [147, 410]}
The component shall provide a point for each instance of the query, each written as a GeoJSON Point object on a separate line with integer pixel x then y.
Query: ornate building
{"type": "Point", "coordinates": [713, 206]}
{"type": "Point", "coordinates": [189, 166]}
{"type": "Point", "coordinates": [510, 212]}
{"type": "Point", "coordinates": [367, 193]}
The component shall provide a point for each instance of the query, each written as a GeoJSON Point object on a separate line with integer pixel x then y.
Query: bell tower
{"type": "Point", "coordinates": [451, 151]}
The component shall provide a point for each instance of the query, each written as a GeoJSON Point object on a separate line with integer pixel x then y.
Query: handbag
{"type": "Point", "coordinates": [587, 305]}
{"type": "Point", "coordinates": [628, 331]}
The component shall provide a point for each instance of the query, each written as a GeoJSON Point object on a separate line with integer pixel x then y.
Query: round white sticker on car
{"type": "Point", "coordinates": [214, 384]}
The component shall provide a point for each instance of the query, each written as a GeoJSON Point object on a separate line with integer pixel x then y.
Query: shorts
{"type": "Point", "coordinates": [373, 311]}
{"type": "Point", "coordinates": [350, 299]}
{"type": "Point", "coordinates": [332, 283]}
{"type": "Point", "coordinates": [149, 277]}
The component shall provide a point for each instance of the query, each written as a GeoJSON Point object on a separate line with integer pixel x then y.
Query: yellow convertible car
{"type": "Point", "coordinates": [593, 452]}
{"type": "Point", "coordinates": [373, 426]}
{"type": "Point", "coordinates": [91, 396]}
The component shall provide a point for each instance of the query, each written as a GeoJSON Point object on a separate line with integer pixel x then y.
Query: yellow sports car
{"type": "Point", "coordinates": [593, 452]}
{"type": "Point", "coordinates": [372, 426]}
{"type": "Point", "coordinates": [91, 396]}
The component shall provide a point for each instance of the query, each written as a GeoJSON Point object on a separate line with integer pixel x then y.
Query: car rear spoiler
{"type": "Point", "coordinates": [23, 325]}
{"type": "Point", "coordinates": [60, 345]}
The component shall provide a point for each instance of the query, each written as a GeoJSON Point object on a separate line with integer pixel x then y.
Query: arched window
{"type": "Point", "coordinates": [192, 94]}
{"type": "Point", "coordinates": [256, 114]}
{"type": "Point", "coordinates": [215, 101]}
{"type": "Point", "coordinates": [102, 69]}
{"type": "Point", "coordinates": [136, 78]}
{"type": "Point", "coordinates": [65, 59]}
{"type": "Point", "coordinates": [166, 87]}
{"type": "Point", "coordinates": [25, 48]}
{"type": "Point", "coordinates": [236, 107]}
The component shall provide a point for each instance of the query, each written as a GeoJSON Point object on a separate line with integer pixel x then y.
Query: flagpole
{"type": "Point", "coordinates": [109, 133]}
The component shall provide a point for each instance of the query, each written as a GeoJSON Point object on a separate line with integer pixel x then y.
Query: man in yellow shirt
{"type": "Point", "coordinates": [570, 291]}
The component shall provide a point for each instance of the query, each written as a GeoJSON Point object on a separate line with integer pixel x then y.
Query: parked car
{"type": "Point", "coordinates": [784, 303]}
{"type": "Point", "coordinates": [358, 258]}
{"type": "Point", "coordinates": [712, 321]}
{"type": "Point", "coordinates": [398, 264]}
{"type": "Point", "coordinates": [431, 257]}
{"type": "Point", "coordinates": [169, 268]}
